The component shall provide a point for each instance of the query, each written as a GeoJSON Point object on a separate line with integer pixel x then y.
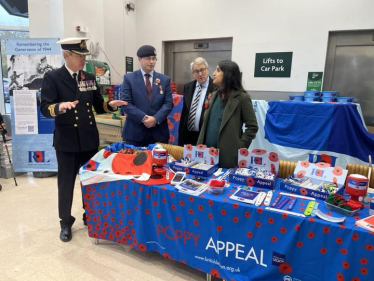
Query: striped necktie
{"type": "Point", "coordinates": [192, 116]}
{"type": "Point", "coordinates": [148, 85]}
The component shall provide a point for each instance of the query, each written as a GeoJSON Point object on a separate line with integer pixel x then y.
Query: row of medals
{"type": "Point", "coordinates": [88, 85]}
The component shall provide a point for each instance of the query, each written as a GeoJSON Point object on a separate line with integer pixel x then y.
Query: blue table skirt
{"type": "Point", "coordinates": [226, 238]}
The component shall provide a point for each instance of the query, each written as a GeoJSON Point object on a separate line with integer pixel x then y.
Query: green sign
{"type": "Point", "coordinates": [273, 64]}
{"type": "Point", "coordinates": [129, 64]}
{"type": "Point", "coordinates": [314, 81]}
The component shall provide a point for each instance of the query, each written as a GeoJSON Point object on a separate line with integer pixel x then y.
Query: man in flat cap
{"type": "Point", "coordinates": [68, 94]}
{"type": "Point", "coordinates": [149, 98]}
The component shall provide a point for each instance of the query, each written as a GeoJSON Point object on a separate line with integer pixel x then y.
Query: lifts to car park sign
{"type": "Point", "coordinates": [273, 64]}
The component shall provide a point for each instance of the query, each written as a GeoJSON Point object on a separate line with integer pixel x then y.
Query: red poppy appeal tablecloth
{"type": "Point", "coordinates": [226, 238]}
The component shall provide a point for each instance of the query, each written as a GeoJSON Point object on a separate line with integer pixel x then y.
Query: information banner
{"type": "Point", "coordinates": [273, 64]}
{"type": "Point", "coordinates": [314, 81]}
{"type": "Point", "coordinates": [28, 60]}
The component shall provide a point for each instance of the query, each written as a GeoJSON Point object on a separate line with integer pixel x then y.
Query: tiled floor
{"type": "Point", "coordinates": [30, 248]}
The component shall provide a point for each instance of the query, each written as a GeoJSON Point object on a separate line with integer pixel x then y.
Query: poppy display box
{"type": "Point", "coordinates": [318, 172]}
{"type": "Point", "coordinates": [258, 159]}
{"type": "Point", "coordinates": [197, 154]}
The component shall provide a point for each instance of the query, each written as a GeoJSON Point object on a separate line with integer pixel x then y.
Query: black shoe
{"type": "Point", "coordinates": [65, 234]}
{"type": "Point", "coordinates": [84, 219]}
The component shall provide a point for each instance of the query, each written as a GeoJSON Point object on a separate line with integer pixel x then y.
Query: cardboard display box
{"type": "Point", "coordinates": [198, 154]}
{"type": "Point", "coordinates": [319, 172]}
{"type": "Point", "coordinates": [257, 158]}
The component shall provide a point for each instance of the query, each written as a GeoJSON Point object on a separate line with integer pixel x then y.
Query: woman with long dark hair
{"type": "Point", "coordinates": [230, 108]}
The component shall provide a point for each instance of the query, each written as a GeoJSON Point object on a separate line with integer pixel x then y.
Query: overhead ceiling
{"type": "Point", "coordinates": [16, 7]}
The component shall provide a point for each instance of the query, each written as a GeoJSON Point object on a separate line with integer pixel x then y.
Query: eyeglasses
{"type": "Point", "coordinates": [150, 58]}
{"type": "Point", "coordinates": [202, 70]}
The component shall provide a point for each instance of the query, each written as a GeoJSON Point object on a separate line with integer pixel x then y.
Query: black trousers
{"type": "Point", "coordinates": [68, 167]}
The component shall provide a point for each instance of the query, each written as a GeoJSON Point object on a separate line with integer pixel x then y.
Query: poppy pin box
{"type": "Point", "coordinates": [314, 179]}
{"type": "Point", "coordinates": [198, 160]}
{"type": "Point", "coordinates": [256, 168]}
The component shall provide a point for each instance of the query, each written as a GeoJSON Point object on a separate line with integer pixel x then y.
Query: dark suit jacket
{"type": "Point", "coordinates": [76, 129]}
{"type": "Point", "coordinates": [238, 111]}
{"type": "Point", "coordinates": [159, 106]}
{"type": "Point", "coordinates": [188, 92]}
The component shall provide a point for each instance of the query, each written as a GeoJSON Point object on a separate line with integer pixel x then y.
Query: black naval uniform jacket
{"type": "Point", "coordinates": [75, 130]}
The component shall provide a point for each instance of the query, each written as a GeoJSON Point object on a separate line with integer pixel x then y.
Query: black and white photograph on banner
{"type": "Point", "coordinates": [26, 72]}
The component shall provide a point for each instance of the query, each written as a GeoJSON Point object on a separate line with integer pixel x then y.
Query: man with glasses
{"type": "Point", "coordinates": [149, 98]}
{"type": "Point", "coordinates": [68, 94]}
{"type": "Point", "coordinates": [195, 100]}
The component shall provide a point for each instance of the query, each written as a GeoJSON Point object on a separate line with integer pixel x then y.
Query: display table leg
{"type": "Point", "coordinates": [208, 277]}
{"type": "Point", "coordinates": [97, 241]}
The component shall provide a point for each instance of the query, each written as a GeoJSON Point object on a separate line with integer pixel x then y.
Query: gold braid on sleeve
{"type": "Point", "coordinates": [105, 105]}
{"type": "Point", "coordinates": [51, 109]}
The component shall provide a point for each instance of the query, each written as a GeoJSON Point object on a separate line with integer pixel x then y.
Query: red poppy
{"type": "Point", "coordinates": [364, 261]}
{"type": "Point", "coordinates": [283, 230]}
{"type": "Point", "coordinates": [141, 247]}
{"type": "Point", "coordinates": [258, 151]}
{"type": "Point", "coordinates": [273, 170]}
{"type": "Point", "coordinates": [176, 99]}
{"type": "Point", "coordinates": [369, 247]}
{"type": "Point", "coordinates": [299, 244]}
{"type": "Point", "coordinates": [303, 191]}
{"type": "Point", "coordinates": [345, 264]}
{"type": "Point", "coordinates": [355, 236]}
{"type": "Point", "coordinates": [310, 234]}
{"type": "Point", "coordinates": [243, 152]}
{"type": "Point", "coordinates": [285, 268]}
{"type": "Point", "coordinates": [210, 216]}
{"type": "Point", "coordinates": [326, 229]}
{"type": "Point", "coordinates": [323, 251]}
{"type": "Point", "coordinates": [186, 170]}
{"type": "Point", "coordinates": [247, 214]}
{"type": "Point", "coordinates": [177, 116]}
{"type": "Point", "coordinates": [273, 238]}
{"type": "Point", "coordinates": [91, 165]}
{"type": "Point", "coordinates": [250, 181]}
{"type": "Point", "coordinates": [188, 147]}
{"type": "Point", "coordinates": [343, 251]}
{"type": "Point", "coordinates": [166, 255]}
{"type": "Point", "coordinates": [235, 219]}
{"type": "Point", "coordinates": [301, 174]}
{"type": "Point", "coordinates": [201, 146]}
{"type": "Point", "coordinates": [171, 138]}
{"type": "Point", "coordinates": [243, 163]}
{"type": "Point", "coordinates": [215, 273]}
{"type": "Point", "coordinates": [273, 156]}
{"type": "Point", "coordinates": [249, 234]}
{"type": "Point", "coordinates": [364, 270]}
{"type": "Point", "coordinates": [170, 125]}
{"type": "Point", "coordinates": [339, 277]}
{"type": "Point", "coordinates": [219, 228]}
{"type": "Point", "coordinates": [270, 220]}
{"type": "Point", "coordinates": [337, 171]}
{"type": "Point", "coordinates": [304, 164]}
{"type": "Point", "coordinates": [213, 151]}
{"type": "Point", "coordinates": [323, 165]}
